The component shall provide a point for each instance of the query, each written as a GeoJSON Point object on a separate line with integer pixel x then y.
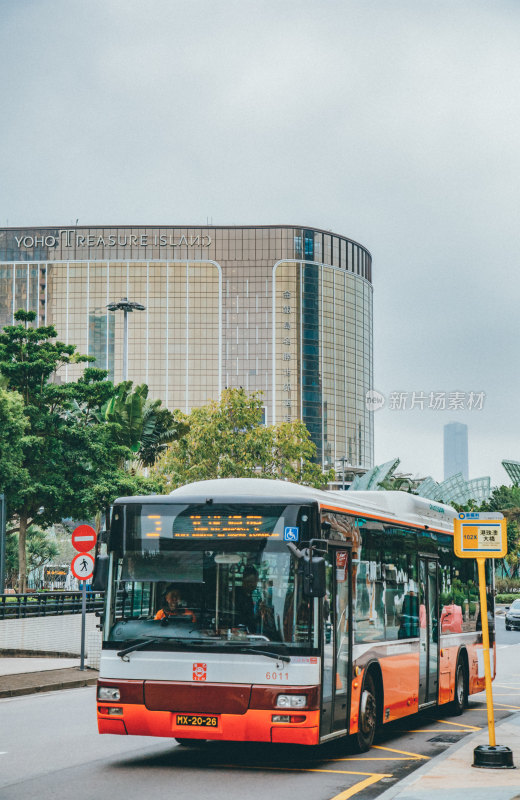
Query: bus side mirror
{"type": "Point", "coordinates": [100, 577]}
{"type": "Point", "coordinates": [314, 580]}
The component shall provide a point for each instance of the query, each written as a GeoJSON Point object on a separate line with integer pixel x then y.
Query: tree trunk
{"type": "Point", "coordinates": [22, 554]}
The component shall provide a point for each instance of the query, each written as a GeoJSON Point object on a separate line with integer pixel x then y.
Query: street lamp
{"type": "Point", "coordinates": [126, 306]}
{"type": "Point", "coordinates": [344, 460]}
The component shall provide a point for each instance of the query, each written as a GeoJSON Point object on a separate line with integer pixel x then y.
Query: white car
{"type": "Point", "coordinates": [513, 615]}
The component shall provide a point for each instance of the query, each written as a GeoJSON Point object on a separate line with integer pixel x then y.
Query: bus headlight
{"type": "Point", "coordinates": [291, 701]}
{"type": "Point", "coordinates": [108, 693]}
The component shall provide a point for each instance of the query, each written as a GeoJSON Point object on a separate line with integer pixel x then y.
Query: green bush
{"type": "Point", "coordinates": [506, 598]}
{"type": "Point", "coordinates": [507, 585]}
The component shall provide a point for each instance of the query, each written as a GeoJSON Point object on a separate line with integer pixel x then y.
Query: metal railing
{"type": "Point", "coordinates": [47, 604]}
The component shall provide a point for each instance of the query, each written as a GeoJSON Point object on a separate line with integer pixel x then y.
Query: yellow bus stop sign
{"type": "Point", "coordinates": [480, 538]}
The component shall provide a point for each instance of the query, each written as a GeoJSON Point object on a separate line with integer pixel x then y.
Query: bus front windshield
{"type": "Point", "coordinates": [218, 574]}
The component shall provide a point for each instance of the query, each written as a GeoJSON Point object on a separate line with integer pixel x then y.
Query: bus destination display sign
{"type": "Point", "coordinates": [480, 537]}
{"type": "Point", "coordinates": [212, 526]}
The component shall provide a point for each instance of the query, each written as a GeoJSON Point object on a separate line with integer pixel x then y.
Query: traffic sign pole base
{"type": "Point", "coordinates": [487, 756]}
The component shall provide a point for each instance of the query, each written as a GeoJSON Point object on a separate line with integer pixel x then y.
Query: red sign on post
{"type": "Point", "coordinates": [82, 566]}
{"type": "Point", "coordinates": [84, 538]}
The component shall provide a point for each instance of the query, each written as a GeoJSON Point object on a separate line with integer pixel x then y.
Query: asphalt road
{"type": "Point", "coordinates": [49, 747]}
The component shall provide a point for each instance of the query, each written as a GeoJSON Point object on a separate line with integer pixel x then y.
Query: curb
{"type": "Point", "coordinates": [35, 683]}
{"type": "Point", "coordinates": [400, 787]}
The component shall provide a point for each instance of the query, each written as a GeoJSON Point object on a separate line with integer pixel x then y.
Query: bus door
{"type": "Point", "coordinates": [428, 630]}
{"type": "Point", "coordinates": [336, 633]}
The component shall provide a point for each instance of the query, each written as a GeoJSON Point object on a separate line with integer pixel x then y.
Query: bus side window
{"type": "Point", "coordinates": [369, 622]}
{"type": "Point", "coordinates": [402, 605]}
{"type": "Point", "coordinates": [459, 592]}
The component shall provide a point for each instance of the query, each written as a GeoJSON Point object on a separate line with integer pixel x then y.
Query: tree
{"type": "Point", "coordinates": [41, 550]}
{"type": "Point", "coordinates": [143, 425]}
{"type": "Point", "coordinates": [13, 425]}
{"type": "Point", "coordinates": [397, 483]}
{"type": "Point", "coordinates": [506, 499]}
{"type": "Point", "coordinates": [226, 439]}
{"type": "Point", "coordinates": [69, 460]}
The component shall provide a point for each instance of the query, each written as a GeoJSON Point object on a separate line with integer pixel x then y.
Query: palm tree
{"type": "Point", "coordinates": [142, 424]}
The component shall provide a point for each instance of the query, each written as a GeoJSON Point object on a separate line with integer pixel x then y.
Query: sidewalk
{"type": "Point", "coordinates": [451, 774]}
{"type": "Point", "coordinates": [20, 676]}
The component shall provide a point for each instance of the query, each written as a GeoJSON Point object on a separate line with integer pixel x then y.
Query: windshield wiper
{"type": "Point", "coordinates": [142, 643]}
{"type": "Point", "coordinates": [276, 656]}
{"type": "Point", "coordinates": [139, 645]}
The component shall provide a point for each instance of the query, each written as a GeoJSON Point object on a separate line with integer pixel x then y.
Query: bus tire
{"type": "Point", "coordinates": [367, 720]}
{"type": "Point", "coordinates": [460, 699]}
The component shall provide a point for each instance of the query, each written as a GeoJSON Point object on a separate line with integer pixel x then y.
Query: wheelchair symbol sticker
{"type": "Point", "coordinates": [290, 534]}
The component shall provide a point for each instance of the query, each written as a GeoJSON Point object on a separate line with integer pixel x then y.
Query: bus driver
{"type": "Point", "coordinates": [172, 606]}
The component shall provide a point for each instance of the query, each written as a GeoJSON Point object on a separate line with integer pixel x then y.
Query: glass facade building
{"type": "Point", "coordinates": [455, 450]}
{"type": "Point", "coordinates": [283, 310]}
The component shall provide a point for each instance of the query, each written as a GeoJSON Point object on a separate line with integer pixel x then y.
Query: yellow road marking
{"type": "Point", "coordinates": [497, 706]}
{"type": "Point", "coordinates": [402, 752]}
{"type": "Point", "coordinates": [434, 730]}
{"type": "Point", "coordinates": [506, 686]}
{"type": "Point", "coordinates": [462, 725]}
{"type": "Point", "coordinates": [379, 775]}
{"type": "Point", "coordinates": [375, 758]}
{"type": "Point", "coordinates": [358, 787]}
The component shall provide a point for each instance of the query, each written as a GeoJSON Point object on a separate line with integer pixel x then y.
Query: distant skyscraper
{"type": "Point", "coordinates": [455, 449]}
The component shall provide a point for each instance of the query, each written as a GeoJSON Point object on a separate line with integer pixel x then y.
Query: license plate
{"type": "Point", "coordinates": [197, 720]}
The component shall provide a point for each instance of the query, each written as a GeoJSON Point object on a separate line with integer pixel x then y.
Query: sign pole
{"type": "Point", "coordinates": [83, 539]}
{"type": "Point", "coordinates": [484, 535]}
{"type": "Point", "coordinates": [83, 620]}
{"type": "Point", "coordinates": [481, 562]}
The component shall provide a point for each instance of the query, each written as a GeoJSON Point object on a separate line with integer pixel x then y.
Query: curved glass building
{"type": "Point", "coordinates": [281, 309]}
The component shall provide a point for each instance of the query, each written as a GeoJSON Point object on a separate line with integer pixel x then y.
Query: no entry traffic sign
{"type": "Point", "coordinates": [83, 538]}
{"type": "Point", "coordinates": [82, 566]}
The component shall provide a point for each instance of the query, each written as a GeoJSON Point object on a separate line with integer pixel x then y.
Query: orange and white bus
{"type": "Point", "coordinates": [260, 610]}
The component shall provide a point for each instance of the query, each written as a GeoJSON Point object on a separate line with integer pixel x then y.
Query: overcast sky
{"type": "Point", "coordinates": [394, 123]}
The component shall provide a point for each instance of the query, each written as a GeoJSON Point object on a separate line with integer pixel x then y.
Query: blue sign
{"type": "Point", "coordinates": [290, 534]}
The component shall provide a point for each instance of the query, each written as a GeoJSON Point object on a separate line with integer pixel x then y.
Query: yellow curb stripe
{"type": "Point", "coordinates": [358, 787]}
{"type": "Point", "coordinates": [508, 705]}
{"type": "Point", "coordinates": [418, 756]}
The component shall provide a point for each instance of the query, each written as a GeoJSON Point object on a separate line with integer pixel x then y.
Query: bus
{"type": "Point", "coordinates": [264, 611]}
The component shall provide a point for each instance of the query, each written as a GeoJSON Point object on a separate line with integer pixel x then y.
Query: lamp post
{"type": "Point", "coordinates": [344, 460]}
{"type": "Point", "coordinates": [126, 306]}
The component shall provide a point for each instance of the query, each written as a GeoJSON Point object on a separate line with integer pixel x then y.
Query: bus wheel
{"type": "Point", "coordinates": [460, 700]}
{"type": "Point", "coordinates": [367, 716]}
